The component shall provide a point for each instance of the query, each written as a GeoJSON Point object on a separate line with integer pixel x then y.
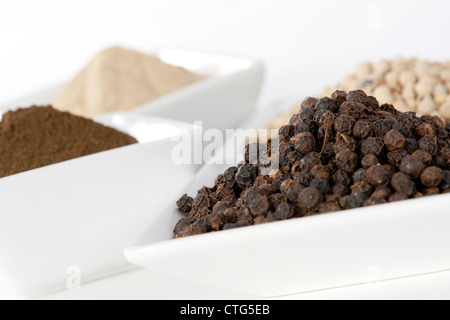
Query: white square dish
{"type": "Point", "coordinates": [223, 99]}
{"type": "Point", "coordinates": [351, 247]}
{"type": "Point", "coordinates": [80, 214]}
{"type": "Point", "coordinates": [321, 252]}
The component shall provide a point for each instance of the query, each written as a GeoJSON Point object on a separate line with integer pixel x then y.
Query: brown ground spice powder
{"type": "Point", "coordinates": [39, 136]}
{"type": "Point", "coordinates": [120, 79]}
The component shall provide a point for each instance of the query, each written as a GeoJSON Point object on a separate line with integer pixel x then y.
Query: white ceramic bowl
{"type": "Point", "coordinates": [225, 98]}
{"type": "Point", "coordinates": [78, 215]}
{"type": "Point", "coordinates": [296, 256]}
{"type": "Point", "coordinates": [338, 249]}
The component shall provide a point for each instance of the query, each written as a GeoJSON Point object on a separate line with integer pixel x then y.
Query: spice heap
{"type": "Point", "coordinates": [411, 85]}
{"type": "Point", "coordinates": [120, 79]}
{"type": "Point", "coordinates": [39, 136]}
{"type": "Point", "coordinates": [336, 153]}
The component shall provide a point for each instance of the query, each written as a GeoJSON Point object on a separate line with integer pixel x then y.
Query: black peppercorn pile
{"type": "Point", "coordinates": [337, 153]}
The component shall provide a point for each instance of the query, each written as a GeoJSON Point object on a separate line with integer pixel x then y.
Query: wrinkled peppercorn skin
{"type": "Point", "coordinates": [336, 153]}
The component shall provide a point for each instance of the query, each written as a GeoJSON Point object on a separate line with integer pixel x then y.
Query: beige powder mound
{"type": "Point", "coordinates": [119, 79]}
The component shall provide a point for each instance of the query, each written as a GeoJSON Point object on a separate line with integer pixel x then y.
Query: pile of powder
{"type": "Point", "coordinates": [120, 79]}
{"type": "Point", "coordinates": [39, 136]}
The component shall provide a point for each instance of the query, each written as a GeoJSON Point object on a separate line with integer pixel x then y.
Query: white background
{"type": "Point", "coordinates": [304, 44]}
